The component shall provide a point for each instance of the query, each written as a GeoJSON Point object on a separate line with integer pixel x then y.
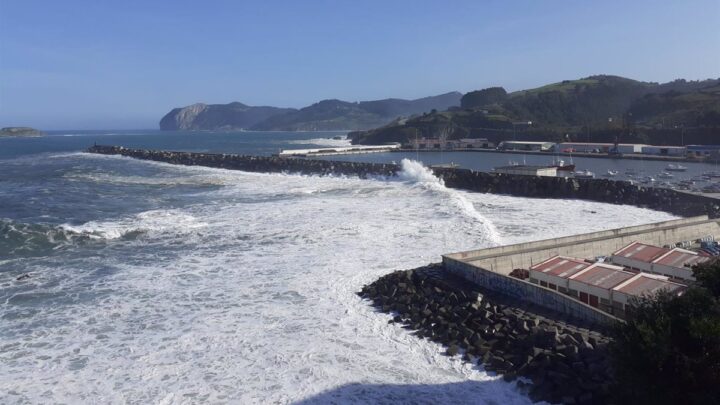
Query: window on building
{"type": "Point", "coordinates": [544, 284]}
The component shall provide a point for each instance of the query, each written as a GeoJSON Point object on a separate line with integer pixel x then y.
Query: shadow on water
{"type": "Point", "coordinates": [493, 392]}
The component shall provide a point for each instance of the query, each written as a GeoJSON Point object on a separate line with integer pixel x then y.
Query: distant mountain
{"type": "Point", "coordinates": [325, 115]}
{"type": "Point", "coordinates": [597, 108]}
{"type": "Point", "coordinates": [218, 116]}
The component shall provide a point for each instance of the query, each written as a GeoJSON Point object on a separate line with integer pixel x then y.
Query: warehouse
{"type": "Point", "coordinates": [526, 145]}
{"type": "Point", "coordinates": [664, 150]}
{"type": "Point", "coordinates": [675, 263]}
{"type": "Point", "coordinates": [604, 286]}
{"type": "Point", "coordinates": [588, 147]}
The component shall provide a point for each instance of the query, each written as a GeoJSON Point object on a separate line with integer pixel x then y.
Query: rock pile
{"type": "Point", "coordinates": [566, 363]}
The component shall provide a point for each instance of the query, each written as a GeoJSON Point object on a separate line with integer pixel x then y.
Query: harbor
{"type": "Point", "coordinates": [694, 177]}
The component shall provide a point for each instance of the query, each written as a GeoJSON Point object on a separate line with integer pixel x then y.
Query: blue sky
{"type": "Point", "coordinates": [123, 64]}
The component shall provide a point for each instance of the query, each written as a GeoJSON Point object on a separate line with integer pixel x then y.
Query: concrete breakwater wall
{"type": "Point", "coordinates": [566, 361]}
{"type": "Point", "coordinates": [601, 190]}
{"type": "Point", "coordinates": [263, 164]}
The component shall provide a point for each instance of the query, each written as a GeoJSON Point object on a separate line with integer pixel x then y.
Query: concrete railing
{"type": "Point", "coordinates": [505, 259]}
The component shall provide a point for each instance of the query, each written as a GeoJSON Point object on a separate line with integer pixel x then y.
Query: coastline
{"type": "Point", "coordinates": [563, 154]}
{"type": "Point", "coordinates": [565, 359]}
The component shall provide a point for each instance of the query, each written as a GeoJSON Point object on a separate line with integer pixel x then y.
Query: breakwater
{"type": "Point", "coordinates": [601, 190]}
{"type": "Point", "coordinates": [566, 358]}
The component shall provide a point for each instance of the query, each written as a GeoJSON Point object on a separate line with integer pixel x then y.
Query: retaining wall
{"type": "Point", "coordinates": [504, 259]}
{"type": "Point", "coordinates": [527, 292]}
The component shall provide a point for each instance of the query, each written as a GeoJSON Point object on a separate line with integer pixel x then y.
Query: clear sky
{"type": "Point", "coordinates": [99, 64]}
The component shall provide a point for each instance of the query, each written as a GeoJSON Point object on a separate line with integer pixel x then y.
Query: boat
{"type": "Point", "coordinates": [611, 173]}
{"type": "Point", "coordinates": [560, 165]}
{"type": "Point", "coordinates": [666, 175]}
{"type": "Point", "coordinates": [648, 179]}
{"type": "Point", "coordinates": [675, 168]}
{"type": "Point", "coordinates": [584, 174]}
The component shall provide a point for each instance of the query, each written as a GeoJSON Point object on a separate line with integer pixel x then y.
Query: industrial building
{"type": "Point", "coordinates": [675, 263]}
{"type": "Point", "coordinates": [426, 143]}
{"type": "Point", "coordinates": [679, 151]}
{"type": "Point", "coordinates": [588, 147]}
{"type": "Point", "coordinates": [526, 145]}
{"type": "Point", "coordinates": [600, 285]}
{"type": "Point", "coordinates": [703, 150]}
{"type": "Point", "coordinates": [468, 143]}
{"type": "Point", "coordinates": [527, 170]}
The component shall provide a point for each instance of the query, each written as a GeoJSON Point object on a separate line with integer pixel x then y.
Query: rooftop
{"type": "Point", "coordinates": [560, 266]}
{"type": "Point", "coordinates": [602, 275]}
{"type": "Point", "coordinates": [680, 258]}
{"type": "Point", "coordinates": [641, 252]}
{"type": "Point", "coordinates": [648, 284]}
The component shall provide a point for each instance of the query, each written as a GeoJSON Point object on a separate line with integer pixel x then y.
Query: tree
{"type": "Point", "coordinates": [669, 351]}
{"type": "Point", "coordinates": [484, 97]}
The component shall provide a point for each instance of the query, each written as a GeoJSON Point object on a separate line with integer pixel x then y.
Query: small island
{"type": "Point", "coordinates": [20, 131]}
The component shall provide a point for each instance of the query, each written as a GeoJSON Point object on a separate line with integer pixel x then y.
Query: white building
{"type": "Point", "coordinates": [526, 145]}
{"type": "Point", "coordinates": [527, 170]}
{"type": "Point", "coordinates": [590, 147]}
{"type": "Point", "coordinates": [664, 150]}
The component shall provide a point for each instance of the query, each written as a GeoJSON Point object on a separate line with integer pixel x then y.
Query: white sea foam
{"type": "Point", "coordinates": [250, 297]}
{"type": "Point", "coordinates": [155, 221]}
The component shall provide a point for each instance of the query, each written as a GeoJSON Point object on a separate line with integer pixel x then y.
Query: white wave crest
{"type": "Point", "coordinates": [414, 171]}
{"type": "Point", "coordinates": [156, 221]}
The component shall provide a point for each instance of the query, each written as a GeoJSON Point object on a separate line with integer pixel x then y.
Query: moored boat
{"type": "Point", "coordinates": [675, 168]}
{"type": "Point", "coordinates": [560, 165]}
{"type": "Point", "coordinates": [584, 174]}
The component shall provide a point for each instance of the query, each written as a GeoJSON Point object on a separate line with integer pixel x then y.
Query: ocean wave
{"type": "Point", "coordinates": [414, 172]}
{"type": "Point", "coordinates": [19, 239]}
{"type": "Point", "coordinates": [155, 221]}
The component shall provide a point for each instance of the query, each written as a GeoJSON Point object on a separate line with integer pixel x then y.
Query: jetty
{"type": "Point", "coordinates": [346, 150]}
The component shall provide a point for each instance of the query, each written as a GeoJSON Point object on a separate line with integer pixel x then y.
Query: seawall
{"type": "Point", "coordinates": [601, 190]}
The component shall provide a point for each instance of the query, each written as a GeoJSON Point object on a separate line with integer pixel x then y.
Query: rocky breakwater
{"type": "Point", "coordinates": [560, 360]}
{"type": "Point", "coordinates": [263, 164]}
{"type": "Point", "coordinates": [601, 190]}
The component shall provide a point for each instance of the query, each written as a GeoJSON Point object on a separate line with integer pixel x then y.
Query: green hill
{"type": "Point", "coordinates": [597, 108]}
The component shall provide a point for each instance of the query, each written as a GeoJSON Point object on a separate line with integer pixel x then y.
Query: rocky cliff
{"type": "Point", "coordinates": [218, 116]}
{"type": "Point", "coordinates": [326, 115]}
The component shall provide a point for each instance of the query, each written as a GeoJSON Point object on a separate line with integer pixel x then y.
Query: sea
{"type": "Point", "coordinates": [128, 281]}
